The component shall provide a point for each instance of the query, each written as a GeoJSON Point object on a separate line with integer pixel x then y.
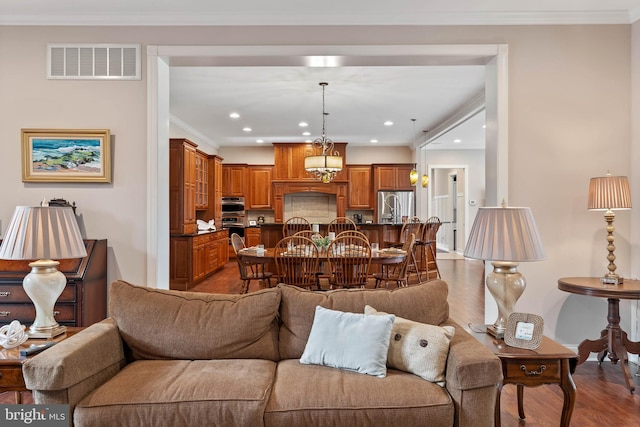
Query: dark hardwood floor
{"type": "Point", "coordinates": [602, 399]}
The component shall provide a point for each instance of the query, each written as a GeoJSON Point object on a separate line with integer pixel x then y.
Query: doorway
{"type": "Point", "coordinates": [493, 56]}
{"type": "Point", "coordinates": [448, 193]}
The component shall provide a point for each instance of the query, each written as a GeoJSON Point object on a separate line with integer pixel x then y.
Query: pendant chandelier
{"type": "Point", "coordinates": [326, 165]}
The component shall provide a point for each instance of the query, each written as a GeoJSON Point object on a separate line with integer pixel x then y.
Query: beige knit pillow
{"type": "Point", "coordinates": [418, 348]}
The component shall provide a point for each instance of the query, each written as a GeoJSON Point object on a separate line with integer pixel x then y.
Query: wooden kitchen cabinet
{"type": "Point", "coordinates": [192, 258]}
{"type": "Point", "coordinates": [83, 301]}
{"type": "Point", "coordinates": [215, 183]}
{"type": "Point", "coordinates": [392, 177]}
{"type": "Point", "coordinates": [259, 194]}
{"type": "Point", "coordinates": [289, 161]}
{"type": "Point", "coordinates": [360, 191]}
{"type": "Point", "coordinates": [251, 236]}
{"type": "Point", "coordinates": [182, 186]}
{"type": "Point", "coordinates": [234, 180]}
{"type": "Point", "coordinates": [201, 180]}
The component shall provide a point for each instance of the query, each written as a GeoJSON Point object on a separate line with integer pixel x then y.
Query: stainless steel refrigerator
{"type": "Point", "coordinates": [393, 206]}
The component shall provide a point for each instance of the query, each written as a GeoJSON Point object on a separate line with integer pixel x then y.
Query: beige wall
{"type": "Point", "coordinates": [569, 120]}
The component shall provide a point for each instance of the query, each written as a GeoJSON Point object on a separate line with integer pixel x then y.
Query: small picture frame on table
{"type": "Point", "coordinates": [252, 223]}
{"type": "Point", "coordinates": [524, 330]}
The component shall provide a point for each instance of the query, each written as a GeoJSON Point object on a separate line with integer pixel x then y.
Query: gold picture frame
{"type": "Point", "coordinates": [524, 330]}
{"type": "Point", "coordinates": [66, 155]}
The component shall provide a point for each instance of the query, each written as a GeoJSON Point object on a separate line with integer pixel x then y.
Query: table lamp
{"type": "Point", "coordinates": [609, 193]}
{"type": "Point", "coordinates": [43, 234]}
{"type": "Point", "coordinates": [505, 236]}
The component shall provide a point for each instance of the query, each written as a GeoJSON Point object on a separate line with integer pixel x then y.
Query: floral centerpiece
{"type": "Point", "coordinates": [321, 242]}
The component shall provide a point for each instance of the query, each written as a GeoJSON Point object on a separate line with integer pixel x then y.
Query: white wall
{"type": "Point", "coordinates": [569, 120]}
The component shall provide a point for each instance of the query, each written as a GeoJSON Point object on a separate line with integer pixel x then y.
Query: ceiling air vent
{"type": "Point", "coordinates": [91, 62]}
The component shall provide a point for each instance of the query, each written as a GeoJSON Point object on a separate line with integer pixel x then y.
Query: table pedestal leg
{"type": "Point", "coordinates": [613, 341]}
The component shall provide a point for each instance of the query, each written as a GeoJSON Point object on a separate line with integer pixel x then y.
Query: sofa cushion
{"type": "Point", "coordinates": [160, 324]}
{"type": "Point", "coordinates": [180, 393]}
{"type": "Point", "coordinates": [425, 303]}
{"type": "Point", "coordinates": [418, 348]}
{"type": "Point", "coordinates": [351, 341]}
{"type": "Point", "coordinates": [334, 397]}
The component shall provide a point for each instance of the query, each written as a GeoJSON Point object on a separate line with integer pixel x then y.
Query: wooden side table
{"type": "Point", "coordinates": [551, 363]}
{"type": "Point", "coordinates": [613, 340]}
{"type": "Point", "coordinates": [11, 378]}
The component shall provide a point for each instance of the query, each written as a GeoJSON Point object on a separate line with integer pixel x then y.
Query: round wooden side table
{"type": "Point", "coordinates": [613, 340]}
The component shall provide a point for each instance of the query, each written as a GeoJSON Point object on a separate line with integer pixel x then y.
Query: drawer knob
{"type": "Point", "coordinates": [5, 313]}
{"type": "Point", "coordinates": [533, 373]}
{"type": "Point", "coordinates": [5, 293]}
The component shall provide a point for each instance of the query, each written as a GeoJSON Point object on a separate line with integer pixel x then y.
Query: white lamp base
{"type": "Point", "coordinates": [51, 333]}
{"type": "Point", "coordinates": [43, 285]}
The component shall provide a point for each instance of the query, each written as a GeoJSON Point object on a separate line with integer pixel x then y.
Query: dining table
{"type": "Point", "coordinates": [382, 257]}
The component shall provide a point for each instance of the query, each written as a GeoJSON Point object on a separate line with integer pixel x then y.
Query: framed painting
{"type": "Point", "coordinates": [66, 155]}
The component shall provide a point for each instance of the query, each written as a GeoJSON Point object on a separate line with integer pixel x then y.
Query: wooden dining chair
{"type": "Point", "coordinates": [349, 259]}
{"type": "Point", "coordinates": [427, 248]}
{"type": "Point", "coordinates": [305, 233]}
{"type": "Point", "coordinates": [297, 261]}
{"type": "Point", "coordinates": [295, 224]}
{"type": "Point", "coordinates": [353, 233]}
{"type": "Point", "coordinates": [341, 224]}
{"type": "Point", "coordinates": [408, 228]}
{"type": "Point", "coordinates": [397, 272]}
{"type": "Point", "coordinates": [249, 271]}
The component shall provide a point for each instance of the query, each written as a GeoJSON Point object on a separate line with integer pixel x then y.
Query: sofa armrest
{"type": "Point", "coordinates": [81, 362]}
{"type": "Point", "coordinates": [472, 376]}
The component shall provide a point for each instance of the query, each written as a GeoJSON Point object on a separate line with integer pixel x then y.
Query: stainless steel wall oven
{"type": "Point", "coordinates": [233, 215]}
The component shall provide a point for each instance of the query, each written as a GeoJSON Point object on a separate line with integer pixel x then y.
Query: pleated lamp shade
{"type": "Point", "coordinates": [609, 192]}
{"type": "Point", "coordinates": [42, 233]}
{"type": "Point", "coordinates": [504, 234]}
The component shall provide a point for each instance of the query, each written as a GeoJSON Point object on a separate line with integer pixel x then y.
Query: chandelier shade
{"type": "Point", "coordinates": [328, 163]}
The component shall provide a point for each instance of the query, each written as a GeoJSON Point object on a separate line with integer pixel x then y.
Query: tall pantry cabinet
{"type": "Point", "coordinates": [195, 192]}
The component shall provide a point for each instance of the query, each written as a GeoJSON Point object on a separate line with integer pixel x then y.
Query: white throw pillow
{"type": "Point", "coordinates": [418, 348]}
{"type": "Point", "coordinates": [351, 341]}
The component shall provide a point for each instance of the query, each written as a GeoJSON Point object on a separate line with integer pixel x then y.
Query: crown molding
{"type": "Point", "coordinates": [186, 127]}
{"type": "Point", "coordinates": [320, 18]}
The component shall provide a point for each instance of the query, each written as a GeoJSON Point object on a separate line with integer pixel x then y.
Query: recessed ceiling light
{"type": "Point", "coordinates": [388, 123]}
{"type": "Point", "coordinates": [484, 126]}
{"type": "Point", "coordinates": [234, 115]}
{"type": "Point", "coordinates": [247, 129]}
{"type": "Point", "coordinates": [303, 124]}
{"type": "Point", "coordinates": [457, 141]}
{"type": "Point", "coordinates": [259, 141]}
{"type": "Point", "coordinates": [374, 141]}
{"type": "Point", "coordinates": [306, 133]}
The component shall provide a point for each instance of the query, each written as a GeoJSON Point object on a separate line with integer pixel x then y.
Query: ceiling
{"type": "Point", "coordinates": [272, 101]}
{"type": "Point", "coordinates": [306, 12]}
{"type": "Point", "coordinates": [359, 99]}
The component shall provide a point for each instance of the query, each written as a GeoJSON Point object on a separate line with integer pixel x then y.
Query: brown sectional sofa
{"type": "Point", "coordinates": [170, 358]}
